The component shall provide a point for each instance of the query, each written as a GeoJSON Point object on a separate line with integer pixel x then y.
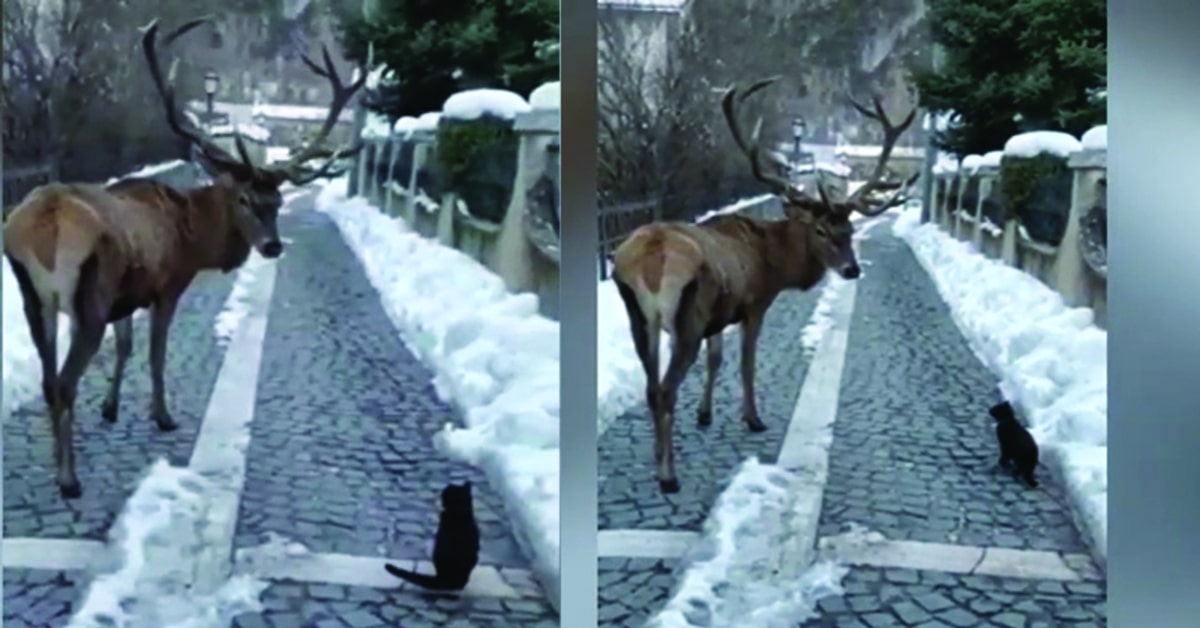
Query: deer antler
{"type": "Point", "coordinates": [751, 149]}
{"type": "Point", "coordinates": [891, 133]}
{"type": "Point", "coordinates": [179, 124]}
{"type": "Point", "coordinates": [294, 169]}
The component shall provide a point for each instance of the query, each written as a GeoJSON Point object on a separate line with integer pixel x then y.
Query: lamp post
{"type": "Point", "coordinates": [211, 82]}
{"type": "Point", "coordinates": [799, 128]}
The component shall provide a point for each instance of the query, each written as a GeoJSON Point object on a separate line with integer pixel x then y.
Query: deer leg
{"type": "Point", "coordinates": [123, 329]}
{"type": "Point", "coordinates": [683, 356]}
{"type": "Point", "coordinates": [160, 324]}
{"type": "Point", "coordinates": [750, 328]}
{"type": "Point", "coordinates": [43, 330]}
{"type": "Point", "coordinates": [645, 342]}
{"type": "Point", "coordinates": [87, 335]}
{"type": "Point", "coordinates": [714, 345]}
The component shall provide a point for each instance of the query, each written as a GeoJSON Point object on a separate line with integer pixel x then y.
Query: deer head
{"type": "Point", "coordinates": [823, 225]}
{"type": "Point", "coordinates": [253, 189]}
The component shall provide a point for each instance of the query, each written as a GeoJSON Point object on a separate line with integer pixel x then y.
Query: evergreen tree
{"type": "Point", "coordinates": [435, 48]}
{"type": "Point", "coordinates": [1015, 65]}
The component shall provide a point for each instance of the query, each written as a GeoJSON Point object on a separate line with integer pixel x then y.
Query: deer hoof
{"type": "Point", "coordinates": [109, 411]}
{"type": "Point", "coordinates": [669, 486]}
{"type": "Point", "coordinates": [165, 423]}
{"type": "Point", "coordinates": [704, 418]}
{"type": "Point", "coordinates": [755, 424]}
{"type": "Point", "coordinates": [71, 490]}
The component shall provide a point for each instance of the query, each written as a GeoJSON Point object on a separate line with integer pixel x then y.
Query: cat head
{"type": "Point", "coordinates": [457, 496]}
{"type": "Point", "coordinates": [1002, 412]}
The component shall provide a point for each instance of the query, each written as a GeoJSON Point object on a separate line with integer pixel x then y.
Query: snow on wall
{"type": "Point", "coordinates": [475, 103]}
{"type": "Point", "coordinates": [1035, 143]}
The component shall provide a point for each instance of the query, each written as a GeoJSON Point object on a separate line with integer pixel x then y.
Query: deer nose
{"type": "Point", "coordinates": [271, 249]}
{"type": "Point", "coordinates": [851, 272]}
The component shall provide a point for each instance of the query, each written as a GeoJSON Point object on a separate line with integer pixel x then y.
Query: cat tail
{"type": "Point", "coordinates": [433, 583]}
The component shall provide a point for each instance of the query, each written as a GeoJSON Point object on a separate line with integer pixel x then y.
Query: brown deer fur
{"type": "Point", "coordinates": [98, 253]}
{"type": "Point", "coordinates": [694, 280]}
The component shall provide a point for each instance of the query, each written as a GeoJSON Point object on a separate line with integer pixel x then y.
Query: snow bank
{"type": "Point", "coordinates": [297, 112]}
{"type": "Point", "coordinates": [620, 380]}
{"type": "Point", "coordinates": [476, 103]}
{"type": "Point", "coordinates": [744, 571]}
{"type": "Point", "coordinates": [546, 96]}
{"type": "Point", "coordinates": [376, 127]}
{"type": "Point", "coordinates": [1096, 138]}
{"type": "Point", "coordinates": [1051, 360]}
{"type": "Point", "coordinates": [237, 304]}
{"type": "Point", "coordinates": [991, 159]}
{"type": "Point", "coordinates": [495, 358]}
{"type": "Point", "coordinates": [150, 550]}
{"type": "Point", "coordinates": [255, 132]}
{"type": "Point", "coordinates": [427, 121]}
{"type": "Point", "coordinates": [1037, 142]}
{"type": "Point", "coordinates": [972, 163]}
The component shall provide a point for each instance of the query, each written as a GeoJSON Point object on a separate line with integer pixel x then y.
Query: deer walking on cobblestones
{"type": "Point", "coordinates": [694, 280]}
{"type": "Point", "coordinates": [99, 253]}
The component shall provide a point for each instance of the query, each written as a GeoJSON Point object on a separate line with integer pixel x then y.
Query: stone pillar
{"type": "Point", "coordinates": [1070, 270]}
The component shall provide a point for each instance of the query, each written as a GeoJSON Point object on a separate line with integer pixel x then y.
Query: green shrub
{"type": "Point", "coordinates": [1037, 192]}
{"type": "Point", "coordinates": [477, 160]}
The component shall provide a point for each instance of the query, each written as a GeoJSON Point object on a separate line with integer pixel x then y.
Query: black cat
{"type": "Point", "coordinates": [1016, 443]}
{"type": "Point", "coordinates": [456, 546]}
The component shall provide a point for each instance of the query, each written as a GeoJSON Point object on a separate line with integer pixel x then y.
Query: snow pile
{"type": "Point", "coordinates": [835, 168]}
{"type": "Point", "coordinates": [476, 103]}
{"type": "Point", "coordinates": [546, 96]}
{"type": "Point", "coordinates": [238, 302]}
{"type": "Point", "coordinates": [972, 163]}
{"type": "Point", "coordinates": [991, 159]}
{"type": "Point", "coordinates": [620, 380]}
{"type": "Point", "coordinates": [945, 164]}
{"type": "Point", "coordinates": [1037, 142]}
{"type": "Point", "coordinates": [494, 357]}
{"type": "Point", "coordinates": [822, 317]}
{"type": "Point", "coordinates": [278, 153]}
{"type": "Point", "coordinates": [147, 583]}
{"type": "Point", "coordinates": [376, 127]}
{"type": "Point", "coordinates": [297, 112]}
{"type": "Point", "coordinates": [1051, 360]}
{"type": "Point", "coordinates": [251, 131]}
{"type": "Point", "coordinates": [404, 126]}
{"type": "Point", "coordinates": [1096, 138]}
{"type": "Point", "coordinates": [745, 570]}
{"type": "Point", "coordinates": [427, 122]}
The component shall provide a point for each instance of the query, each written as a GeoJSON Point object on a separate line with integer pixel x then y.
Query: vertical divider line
{"type": "Point", "coordinates": [577, 306]}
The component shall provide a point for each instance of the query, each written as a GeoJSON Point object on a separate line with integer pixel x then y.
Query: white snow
{"type": "Point", "coordinates": [991, 159]}
{"type": "Point", "coordinates": [278, 153]}
{"type": "Point", "coordinates": [375, 127]}
{"type": "Point", "coordinates": [1052, 361]}
{"type": "Point", "coordinates": [152, 169]}
{"type": "Point", "coordinates": [427, 121]}
{"type": "Point", "coordinates": [405, 126]}
{"type": "Point", "coordinates": [1096, 138]}
{"type": "Point", "coordinates": [735, 207]}
{"type": "Point", "coordinates": [1035, 143]}
{"type": "Point", "coordinates": [298, 112]}
{"type": "Point", "coordinates": [475, 103]}
{"type": "Point", "coordinates": [972, 163]}
{"type": "Point", "coordinates": [546, 96]}
{"type": "Point", "coordinates": [255, 132]}
{"type": "Point", "coordinates": [744, 571]}
{"type": "Point", "coordinates": [144, 582]}
{"type": "Point", "coordinates": [239, 300]}
{"type": "Point", "coordinates": [822, 317]}
{"type": "Point", "coordinates": [495, 358]}
{"type": "Point", "coordinates": [837, 169]}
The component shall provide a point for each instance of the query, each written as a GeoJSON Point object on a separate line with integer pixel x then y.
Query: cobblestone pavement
{"type": "Point", "coordinates": [340, 457]}
{"type": "Point", "coordinates": [879, 598]}
{"type": "Point", "coordinates": [633, 589]}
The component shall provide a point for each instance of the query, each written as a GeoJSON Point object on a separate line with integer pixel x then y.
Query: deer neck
{"type": "Point", "coordinates": [213, 239]}
{"type": "Point", "coordinates": [790, 257]}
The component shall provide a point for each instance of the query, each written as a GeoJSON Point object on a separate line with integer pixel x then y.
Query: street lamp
{"type": "Point", "coordinates": [211, 82]}
{"type": "Point", "coordinates": [799, 127]}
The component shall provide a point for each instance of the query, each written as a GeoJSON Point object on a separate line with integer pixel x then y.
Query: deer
{"type": "Point", "coordinates": [98, 253]}
{"type": "Point", "coordinates": [694, 280]}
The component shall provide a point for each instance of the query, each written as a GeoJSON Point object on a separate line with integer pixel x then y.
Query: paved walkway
{"type": "Point", "coordinates": [339, 417]}
{"type": "Point", "coordinates": [955, 542]}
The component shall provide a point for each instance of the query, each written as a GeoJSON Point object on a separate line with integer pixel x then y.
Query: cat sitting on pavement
{"type": "Point", "coordinates": [456, 546]}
